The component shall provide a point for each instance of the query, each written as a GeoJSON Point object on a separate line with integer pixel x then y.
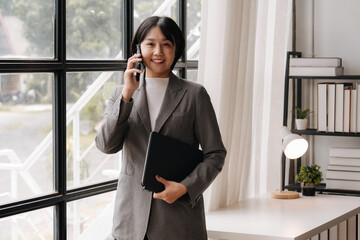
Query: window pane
{"type": "Point", "coordinates": [28, 226]}
{"type": "Point", "coordinates": [93, 29]}
{"type": "Point", "coordinates": [86, 95]}
{"type": "Point", "coordinates": [176, 72]}
{"type": "Point", "coordinates": [27, 29]}
{"type": "Point", "coordinates": [145, 8]}
{"type": "Point", "coordinates": [192, 75]}
{"type": "Point", "coordinates": [91, 218]}
{"type": "Point", "coordinates": [193, 29]}
{"type": "Point", "coordinates": [26, 142]}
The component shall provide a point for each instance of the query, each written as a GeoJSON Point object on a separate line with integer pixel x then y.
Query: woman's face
{"type": "Point", "coordinates": [158, 54]}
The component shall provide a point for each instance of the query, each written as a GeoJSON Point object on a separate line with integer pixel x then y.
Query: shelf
{"type": "Point", "coordinates": [296, 187]}
{"type": "Point", "coordinates": [321, 188]}
{"type": "Point", "coordinates": [297, 93]}
{"type": "Point", "coordinates": [343, 77]}
{"type": "Point", "coordinates": [312, 131]}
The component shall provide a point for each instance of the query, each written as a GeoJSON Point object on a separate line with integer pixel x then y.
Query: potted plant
{"type": "Point", "coordinates": [301, 118]}
{"type": "Point", "coordinates": [309, 176]}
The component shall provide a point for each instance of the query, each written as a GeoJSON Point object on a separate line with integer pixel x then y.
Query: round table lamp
{"type": "Point", "coordinates": [293, 146]}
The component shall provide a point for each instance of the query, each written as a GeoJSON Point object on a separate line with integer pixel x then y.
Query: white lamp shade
{"type": "Point", "coordinates": [294, 146]}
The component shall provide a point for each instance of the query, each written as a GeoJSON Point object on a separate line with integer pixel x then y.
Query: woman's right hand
{"type": "Point", "coordinates": [131, 84]}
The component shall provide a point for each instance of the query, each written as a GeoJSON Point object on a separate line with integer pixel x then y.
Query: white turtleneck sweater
{"type": "Point", "coordinates": [155, 91]}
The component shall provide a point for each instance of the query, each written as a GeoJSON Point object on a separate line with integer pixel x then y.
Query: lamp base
{"type": "Point", "coordinates": [285, 195]}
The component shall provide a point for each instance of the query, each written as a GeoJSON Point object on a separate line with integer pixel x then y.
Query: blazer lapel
{"type": "Point", "coordinates": [140, 102]}
{"type": "Point", "coordinates": [173, 95]}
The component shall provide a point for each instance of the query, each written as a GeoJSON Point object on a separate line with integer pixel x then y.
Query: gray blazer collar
{"type": "Point", "coordinates": [173, 95]}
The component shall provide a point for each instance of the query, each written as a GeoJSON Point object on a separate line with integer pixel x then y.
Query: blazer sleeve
{"type": "Point", "coordinates": [110, 137]}
{"type": "Point", "coordinates": [208, 133]}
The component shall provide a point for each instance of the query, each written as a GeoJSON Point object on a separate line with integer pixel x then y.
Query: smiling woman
{"type": "Point", "coordinates": [154, 104]}
{"type": "Point", "coordinates": [162, 30]}
{"type": "Point", "coordinates": [158, 54]}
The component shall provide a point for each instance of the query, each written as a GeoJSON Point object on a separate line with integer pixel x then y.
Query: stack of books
{"type": "Point", "coordinates": [316, 66]}
{"type": "Point", "coordinates": [338, 107]}
{"type": "Point", "coordinates": [344, 169]}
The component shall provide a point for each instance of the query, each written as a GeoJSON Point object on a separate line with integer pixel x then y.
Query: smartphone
{"type": "Point", "coordinates": [138, 65]}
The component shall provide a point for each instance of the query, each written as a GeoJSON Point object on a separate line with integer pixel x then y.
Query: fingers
{"type": "Point", "coordinates": [133, 70]}
{"type": "Point", "coordinates": [172, 192]}
{"type": "Point", "coordinates": [129, 74]}
{"type": "Point", "coordinates": [161, 195]}
{"type": "Point", "coordinates": [132, 60]}
{"type": "Point", "coordinates": [161, 180]}
{"type": "Point", "coordinates": [164, 195]}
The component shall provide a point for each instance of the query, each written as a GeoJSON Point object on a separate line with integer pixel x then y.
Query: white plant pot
{"type": "Point", "coordinates": [301, 124]}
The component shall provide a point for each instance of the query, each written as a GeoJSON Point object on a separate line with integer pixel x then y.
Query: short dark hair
{"type": "Point", "coordinates": [168, 27]}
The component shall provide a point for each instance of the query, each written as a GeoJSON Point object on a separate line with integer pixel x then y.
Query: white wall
{"type": "Point", "coordinates": [336, 30]}
{"type": "Point", "coordinates": [329, 28]}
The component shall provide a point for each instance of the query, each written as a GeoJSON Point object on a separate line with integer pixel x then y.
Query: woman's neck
{"type": "Point", "coordinates": [149, 74]}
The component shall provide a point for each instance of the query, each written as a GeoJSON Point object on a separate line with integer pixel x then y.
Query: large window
{"type": "Point", "coordinates": [27, 29]}
{"type": "Point", "coordinates": [59, 62]}
{"type": "Point", "coordinates": [94, 29]}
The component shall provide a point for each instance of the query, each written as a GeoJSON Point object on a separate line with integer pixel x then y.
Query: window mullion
{"type": "Point", "coordinates": [182, 25]}
{"type": "Point", "coordinates": [128, 13]}
{"type": "Point", "coordinates": [59, 105]}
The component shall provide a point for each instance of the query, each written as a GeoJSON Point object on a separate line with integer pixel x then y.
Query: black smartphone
{"type": "Point", "coordinates": [138, 65]}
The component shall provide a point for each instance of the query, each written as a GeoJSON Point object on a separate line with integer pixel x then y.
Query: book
{"type": "Point", "coordinates": [339, 107]}
{"type": "Point", "coordinates": [331, 107]}
{"type": "Point", "coordinates": [344, 161]}
{"type": "Point", "coordinates": [345, 152]}
{"type": "Point", "coordinates": [353, 105]}
{"type": "Point", "coordinates": [342, 184]}
{"type": "Point", "coordinates": [343, 175]}
{"type": "Point", "coordinates": [316, 71]}
{"type": "Point", "coordinates": [347, 110]}
{"type": "Point", "coordinates": [318, 62]}
{"type": "Point", "coordinates": [358, 108]}
{"type": "Point", "coordinates": [344, 168]}
{"type": "Point", "coordinates": [322, 107]}
{"type": "Point", "coordinates": [168, 158]}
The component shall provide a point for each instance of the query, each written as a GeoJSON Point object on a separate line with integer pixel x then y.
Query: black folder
{"type": "Point", "coordinates": [168, 158]}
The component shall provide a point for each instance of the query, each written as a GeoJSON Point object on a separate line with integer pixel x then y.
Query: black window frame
{"type": "Point", "coordinates": [59, 66]}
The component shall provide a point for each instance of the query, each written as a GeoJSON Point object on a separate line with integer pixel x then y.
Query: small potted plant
{"type": "Point", "coordinates": [301, 118]}
{"type": "Point", "coordinates": [309, 176]}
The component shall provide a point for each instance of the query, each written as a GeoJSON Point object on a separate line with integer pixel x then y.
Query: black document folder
{"type": "Point", "coordinates": [168, 158]}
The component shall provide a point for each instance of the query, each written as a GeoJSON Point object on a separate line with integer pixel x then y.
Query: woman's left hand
{"type": "Point", "coordinates": [173, 190]}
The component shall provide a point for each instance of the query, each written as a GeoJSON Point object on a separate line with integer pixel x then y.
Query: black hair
{"type": "Point", "coordinates": [168, 27]}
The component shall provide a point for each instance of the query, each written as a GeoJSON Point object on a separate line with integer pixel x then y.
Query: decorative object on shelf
{"type": "Point", "coordinates": [301, 118]}
{"type": "Point", "coordinates": [294, 146]}
{"type": "Point", "coordinates": [309, 176]}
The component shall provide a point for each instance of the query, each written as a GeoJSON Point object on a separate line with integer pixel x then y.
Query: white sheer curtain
{"type": "Point", "coordinates": [242, 65]}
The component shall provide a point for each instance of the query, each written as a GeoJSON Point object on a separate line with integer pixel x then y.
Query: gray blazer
{"type": "Point", "coordinates": [186, 114]}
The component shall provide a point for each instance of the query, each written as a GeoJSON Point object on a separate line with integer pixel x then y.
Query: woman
{"type": "Point", "coordinates": [174, 107]}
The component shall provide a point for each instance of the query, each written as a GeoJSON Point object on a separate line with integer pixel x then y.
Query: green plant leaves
{"type": "Point", "coordinates": [302, 114]}
{"type": "Point", "coordinates": [309, 174]}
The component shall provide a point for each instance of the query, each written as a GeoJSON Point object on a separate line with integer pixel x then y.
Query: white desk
{"type": "Point", "coordinates": [266, 218]}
